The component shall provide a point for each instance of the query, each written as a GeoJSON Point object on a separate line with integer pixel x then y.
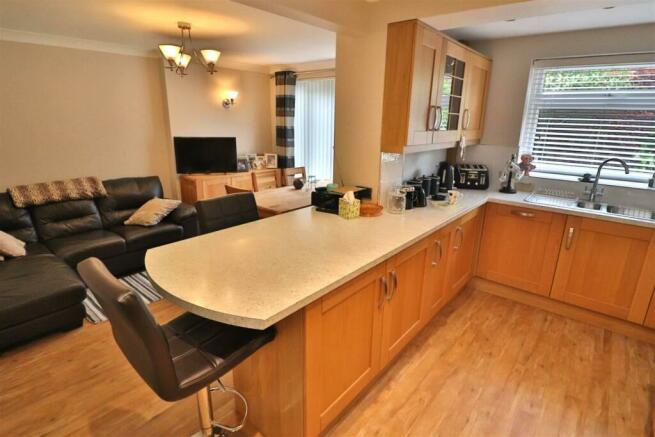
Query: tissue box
{"type": "Point", "coordinates": [349, 210]}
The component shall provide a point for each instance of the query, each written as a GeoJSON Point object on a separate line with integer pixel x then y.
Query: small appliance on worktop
{"type": "Point", "coordinates": [328, 200]}
{"type": "Point", "coordinates": [472, 176]}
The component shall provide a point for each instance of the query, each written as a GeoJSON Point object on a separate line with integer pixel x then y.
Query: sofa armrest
{"type": "Point", "coordinates": [186, 216]}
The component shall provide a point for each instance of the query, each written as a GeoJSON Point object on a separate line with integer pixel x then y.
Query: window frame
{"type": "Point", "coordinates": [571, 172]}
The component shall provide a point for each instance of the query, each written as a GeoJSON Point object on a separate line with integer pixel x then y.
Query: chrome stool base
{"type": "Point", "coordinates": [209, 427]}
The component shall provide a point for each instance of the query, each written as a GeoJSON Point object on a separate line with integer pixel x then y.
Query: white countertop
{"type": "Point", "coordinates": [256, 274]}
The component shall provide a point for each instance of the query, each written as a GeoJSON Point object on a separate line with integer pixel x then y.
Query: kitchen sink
{"type": "Point", "coordinates": [571, 202]}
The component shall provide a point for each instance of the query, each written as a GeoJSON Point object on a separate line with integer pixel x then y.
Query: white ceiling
{"type": "Point", "coordinates": [538, 17]}
{"type": "Point", "coordinates": [245, 35]}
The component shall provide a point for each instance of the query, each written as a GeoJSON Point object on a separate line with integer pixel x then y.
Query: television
{"type": "Point", "coordinates": [205, 154]}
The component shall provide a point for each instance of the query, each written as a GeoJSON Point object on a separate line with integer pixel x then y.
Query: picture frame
{"type": "Point", "coordinates": [258, 163]}
{"type": "Point", "coordinates": [243, 164]}
{"type": "Point", "coordinates": [271, 160]}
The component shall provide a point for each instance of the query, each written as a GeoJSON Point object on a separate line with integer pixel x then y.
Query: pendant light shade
{"type": "Point", "coordinates": [169, 51]}
{"type": "Point", "coordinates": [210, 57]}
{"type": "Point", "coordinates": [182, 62]}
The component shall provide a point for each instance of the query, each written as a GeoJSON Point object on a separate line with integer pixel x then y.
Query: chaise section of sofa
{"type": "Point", "coordinates": [41, 292]}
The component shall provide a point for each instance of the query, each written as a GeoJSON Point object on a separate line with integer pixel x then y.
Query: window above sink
{"type": "Point", "coordinates": [581, 111]}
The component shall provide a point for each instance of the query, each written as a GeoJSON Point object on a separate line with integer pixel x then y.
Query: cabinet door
{"type": "Point", "coordinates": [425, 83]}
{"type": "Point", "coordinates": [464, 239]}
{"type": "Point", "coordinates": [650, 316]}
{"type": "Point", "coordinates": [243, 180]}
{"type": "Point", "coordinates": [450, 105]}
{"type": "Point", "coordinates": [213, 186]}
{"type": "Point", "coordinates": [520, 246]}
{"type": "Point", "coordinates": [342, 346]}
{"type": "Point", "coordinates": [606, 267]}
{"type": "Point", "coordinates": [476, 80]}
{"type": "Point", "coordinates": [402, 311]}
{"type": "Point", "coordinates": [434, 290]}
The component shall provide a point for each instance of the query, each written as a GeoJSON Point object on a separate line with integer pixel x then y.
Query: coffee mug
{"type": "Point", "coordinates": [454, 196]}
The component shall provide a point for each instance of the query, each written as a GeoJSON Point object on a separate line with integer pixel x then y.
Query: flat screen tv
{"type": "Point", "coordinates": [205, 154]}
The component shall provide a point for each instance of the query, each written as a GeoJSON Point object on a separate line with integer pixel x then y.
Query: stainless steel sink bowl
{"type": "Point", "coordinates": [625, 211]}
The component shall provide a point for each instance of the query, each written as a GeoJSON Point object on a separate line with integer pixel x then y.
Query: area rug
{"type": "Point", "coordinates": [139, 282]}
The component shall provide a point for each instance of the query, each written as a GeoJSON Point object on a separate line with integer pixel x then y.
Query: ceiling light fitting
{"type": "Point", "coordinates": [178, 57]}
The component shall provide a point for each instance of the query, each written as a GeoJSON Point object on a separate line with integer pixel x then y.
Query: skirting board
{"type": "Point", "coordinates": [563, 309]}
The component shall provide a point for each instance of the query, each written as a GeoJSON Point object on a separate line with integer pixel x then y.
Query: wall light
{"type": "Point", "coordinates": [228, 101]}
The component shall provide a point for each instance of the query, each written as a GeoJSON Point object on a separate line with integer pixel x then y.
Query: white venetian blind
{"type": "Point", "coordinates": [576, 116]}
{"type": "Point", "coordinates": [314, 126]}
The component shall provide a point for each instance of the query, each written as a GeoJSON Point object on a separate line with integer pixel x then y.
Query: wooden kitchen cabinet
{"type": "Point", "coordinates": [402, 312]}
{"type": "Point", "coordinates": [476, 81]}
{"type": "Point", "coordinates": [650, 316]}
{"type": "Point", "coordinates": [426, 84]}
{"type": "Point", "coordinates": [451, 92]}
{"type": "Point", "coordinates": [434, 289]}
{"type": "Point", "coordinates": [606, 267]}
{"type": "Point", "coordinates": [520, 246]}
{"type": "Point", "coordinates": [343, 337]}
{"type": "Point", "coordinates": [464, 238]}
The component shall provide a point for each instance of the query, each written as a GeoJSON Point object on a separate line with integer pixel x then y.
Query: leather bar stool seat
{"type": "Point", "coordinates": [204, 350]}
{"type": "Point", "coordinates": [180, 358]}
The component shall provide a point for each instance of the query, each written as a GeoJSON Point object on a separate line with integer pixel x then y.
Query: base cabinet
{"type": "Point", "coordinates": [343, 332]}
{"type": "Point", "coordinates": [402, 310]}
{"type": "Point", "coordinates": [520, 247]}
{"type": "Point", "coordinates": [434, 291]}
{"type": "Point", "coordinates": [606, 267]}
{"type": "Point", "coordinates": [462, 253]}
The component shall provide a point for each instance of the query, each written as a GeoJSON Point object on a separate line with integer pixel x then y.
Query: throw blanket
{"type": "Point", "coordinates": [47, 192]}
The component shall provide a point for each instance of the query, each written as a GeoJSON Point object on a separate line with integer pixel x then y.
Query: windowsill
{"type": "Point", "coordinates": [606, 182]}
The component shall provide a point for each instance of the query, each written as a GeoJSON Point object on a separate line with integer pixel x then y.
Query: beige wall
{"type": "Point", "coordinates": [196, 109]}
{"type": "Point", "coordinates": [67, 112]}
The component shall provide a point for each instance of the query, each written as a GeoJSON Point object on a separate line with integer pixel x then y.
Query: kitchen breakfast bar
{"type": "Point", "coordinates": [346, 296]}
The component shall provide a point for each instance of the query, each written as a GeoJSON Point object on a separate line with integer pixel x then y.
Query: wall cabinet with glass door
{"type": "Point", "coordinates": [427, 90]}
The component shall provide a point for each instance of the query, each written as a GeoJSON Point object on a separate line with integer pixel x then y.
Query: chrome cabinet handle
{"type": "Point", "coordinates": [433, 109]}
{"type": "Point", "coordinates": [569, 237]}
{"type": "Point", "coordinates": [383, 291]}
{"type": "Point", "coordinates": [394, 285]}
{"type": "Point", "coordinates": [435, 262]}
{"type": "Point", "coordinates": [523, 213]}
{"type": "Point", "coordinates": [459, 231]}
{"type": "Point", "coordinates": [466, 119]}
{"type": "Point", "coordinates": [437, 119]}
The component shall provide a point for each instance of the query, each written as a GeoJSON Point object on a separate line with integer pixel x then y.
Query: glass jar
{"type": "Point", "coordinates": [396, 200]}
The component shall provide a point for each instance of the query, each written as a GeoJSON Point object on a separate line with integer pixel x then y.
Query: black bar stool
{"type": "Point", "coordinates": [180, 358]}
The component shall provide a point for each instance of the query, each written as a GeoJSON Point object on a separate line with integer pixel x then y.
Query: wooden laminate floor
{"type": "Point", "coordinates": [485, 366]}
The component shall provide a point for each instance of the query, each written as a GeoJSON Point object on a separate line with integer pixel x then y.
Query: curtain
{"type": "Point", "coordinates": [285, 105]}
{"type": "Point", "coordinates": [314, 126]}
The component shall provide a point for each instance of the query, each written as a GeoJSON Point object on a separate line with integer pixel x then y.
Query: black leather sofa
{"type": "Point", "coordinates": [41, 292]}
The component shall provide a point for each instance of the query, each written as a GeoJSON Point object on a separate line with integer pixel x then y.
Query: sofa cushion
{"type": "Point", "coordinates": [56, 220]}
{"type": "Point", "coordinates": [75, 248]}
{"type": "Point", "coordinates": [141, 237]}
{"type": "Point", "coordinates": [34, 286]}
{"type": "Point", "coordinates": [125, 196]}
{"type": "Point", "coordinates": [34, 249]}
{"type": "Point", "coordinates": [16, 221]}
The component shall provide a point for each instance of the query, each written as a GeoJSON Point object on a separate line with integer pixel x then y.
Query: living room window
{"type": "Point", "coordinates": [581, 111]}
{"type": "Point", "coordinates": [314, 126]}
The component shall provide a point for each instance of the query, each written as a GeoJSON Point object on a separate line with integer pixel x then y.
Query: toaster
{"type": "Point", "coordinates": [472, 176]}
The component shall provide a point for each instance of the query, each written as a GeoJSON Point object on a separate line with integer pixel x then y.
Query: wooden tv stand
{"type": "Point", "coordinates": [200, 186]}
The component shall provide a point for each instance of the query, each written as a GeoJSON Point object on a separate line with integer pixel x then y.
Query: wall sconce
{"type": "Point", "coordinates": [228, 102]}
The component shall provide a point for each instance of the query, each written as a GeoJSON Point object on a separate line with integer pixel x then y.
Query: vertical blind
{"type": "Point", "coordinates": [314, 126]}
{"type": "Point", "coordinates": [576, 116]}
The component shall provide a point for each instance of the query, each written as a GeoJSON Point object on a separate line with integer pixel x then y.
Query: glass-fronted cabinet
{"type": "Point", "coordinates": [451, 94]}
